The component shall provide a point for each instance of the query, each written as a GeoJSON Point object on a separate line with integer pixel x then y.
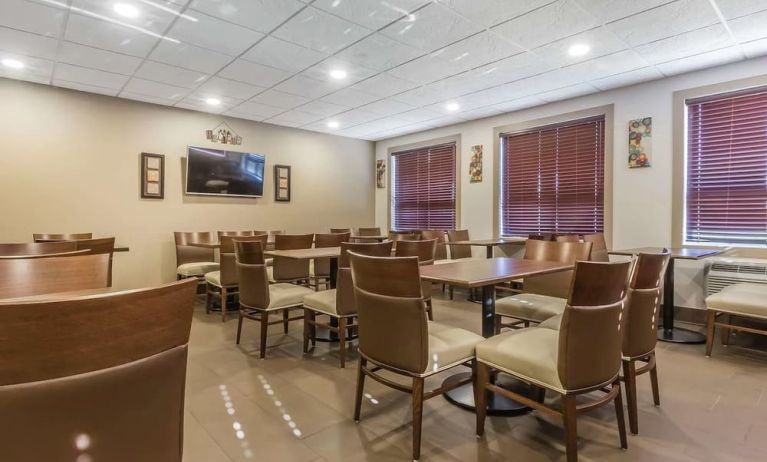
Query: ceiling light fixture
{"type": "Point", "coordinates": [13, 63]}
{"type": "Point", "coordinates": [213, 101]}
{"type": "Point", "coordinates": [338, 74]}
{"type": "Point", "coordinates": [126, 9]}
{"type": "Point", "coordinates": [452, 107]}
{"type": "Point", "coordinates": [579, 49]}
{"type": "Point", "coordinates": [333, 124]}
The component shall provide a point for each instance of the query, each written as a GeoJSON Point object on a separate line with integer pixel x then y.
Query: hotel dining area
{"type": "Point", "coordinates": [380, 231]}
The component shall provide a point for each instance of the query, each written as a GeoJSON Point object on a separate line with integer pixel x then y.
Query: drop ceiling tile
{"type": "Point", "coordinates": [572, 91]}
{"type": "Point", "coordinates": [383, 85]}
{"type": "Point", "coordinates": [322, 108]}
{"type": "Point", "coordinates": [85, 87]}
{"type": "Point", "coordinates": [431, 28]}
{"type": "Point", "coordinates": [171, 75]}
{"type": "Point", "coordinates": [189, 57]}
{"type": "Point", "coordinates": [197, 102]}
{"type": "Point", "coordinates": [349, 97]}
{"type": "Point", "coordinates": [260, 15]}
{"type": "Point", "coordinates": [732, 9]}
{"type": "Point", "coordinates": [88, 76]}
{"type": "Point", "coordinates": [358, 131]}
{"type": "Point", "coordinates": [601, 41]}
{"type": "Point", "coordinates": [692, 63]}
{"type": "Point", "coordinates": [690, 43]}
{"type": "Point", "coordinates": [492, 12]}
{"type": "Point", "coordinates": [388, 123]}
{"type": "Point", "coordinates": [386, 107]}
{"type": "Point", "coordinates": [254, 74]}
{"type": "Point", "coordinates": [482, 112]}
{"type": "Point", "coordinates": [283, 55]}
{"type": "Point", "coordinates": [520, 103]}
{"type": "Point", "coordinates": [515, 68]}
{"type": "Point", "coordinates": [150, 18]}
{"type": "Point", "coordinates": [304, 86]}
{"type": "Point", "coordinates": [320, 31]}
{"type": "Point", "coordinates": [355, 117]}
{"type": "Point", "coordinates": [230, 88]}
{"type": "Point", "coordinates": [321, 126]}
{"type": "Point", "coordinates": [31, 17]}
{"type": "Point", "coordinates": [421, 96]}
{"type": "Point", "coordinates": [155, 90]}
{"type": "Point", "coordinates": [101, 34]}
{"type": "Point", "coordinates": [419, 115]}
{"type": "Point", "coordinates": [627, 78]}
{"type": "Point", "coordinates": [604, 66]}
{"type": "Point", "coordinates": [279, 99]}
{"type": "Point", "coordinates": [28, 44]}
{"type": "Point", "coordinates": [750, 28]}
{"type": "Point", "coordinates": [477, 50]}
{"type": "Point", "coordinates": [423, 70]}
{"type": "Point", "coordinates": [322, 70]}
{"type": "Point", "coordinates": [215, 34]}
{"type": "Point", "coordinates": [379, 52]}
{"type": "Point", "coordinates": [294, 118]}
{"type": "Point", "coordinates": [373, 14]}
{"type": "Point", "coordinates": [148, 98]}
{"type": "Point", "coordinates": [755, 49]}
{"type": "Point", "coordinates": [256, 111]}
{"type": "Point", "coordinates": [612, 10]}
{"type": "Point", "coordinates": [552, 22]}
{"type": "Point", "coordinates": [35, 69]}
{"type": "Point", "coordinates": [665, 21]}
{"type": "Point", "coordinates": [81, 55]}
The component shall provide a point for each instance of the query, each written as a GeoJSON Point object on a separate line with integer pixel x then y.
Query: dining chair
{"type": "Point", "coordinates": [288, 269]}
{"type": "Point", "coordinates": [567, 238]}
{"type": "Point", "coordinates": [340, 230]}
{"type": "Point", "coordinates": [27, 249]}
{"type": "Point", "coordinates": [24, 277]}
{"type": "Point", "coordinates": [61, 237]}
{"type": "Point", "coordinates": [104, 245]}
{"type": "Point", "coordinates": [440, 254]}
{"type": "Point", "coordinates": [223, 282]}
{"type": "Point", "coordinates": [338, 303]}
{"type": "Point", "coordinates": [396, 237]}
{"type": "Point", "coordinates": [194, 261]}
{"type": "Point", "coordinates": [544, 295]}
{"type": "Point", "coordinates": [258, 298]}
{"type": "Point", "coordinates": [368, 232]}
{"type": "Point", "coordinates": [599, 250]}
{"type": "Point", "coordinates": [458, 252]}
{"type": "Point", "coordinates": [98, 377]}
{"type": "Point", "coordinates": [319, 268]}
{"type": "Point", "coordinates": [395, 335]}
{"type": "Point", "coordinates": [583, 357]}
{"type": "Point", "coordinates": [542, 236]}
{"type": "Point", "coordinates": [235, 234]}
{"type": "Point", "coordinates": [425, 250]}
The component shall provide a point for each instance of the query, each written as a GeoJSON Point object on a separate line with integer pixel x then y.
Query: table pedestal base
{"type": "Point", "coordinates": [463, 396]}
{"type": "Point", "coordinates": [679, 335]}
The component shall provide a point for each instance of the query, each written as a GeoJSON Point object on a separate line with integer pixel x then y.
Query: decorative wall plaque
{"type": "Point", "coordinates": [223, 134]}
{"type": "Point", "coordinates": [152, 176]}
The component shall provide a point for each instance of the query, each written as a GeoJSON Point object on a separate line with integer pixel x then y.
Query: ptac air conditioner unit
{"type": "Point", "coordinates": [724, 271]}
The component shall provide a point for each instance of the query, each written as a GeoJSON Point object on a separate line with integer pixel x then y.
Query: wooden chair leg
{"type": "Point", "coordinates": [450, 291]}
{"type": "Point", "coordinates": [223, 304]}
{"type": "Point", "coordinates": [208, 298]}
{"type": "Point", "coordinates": [654, 380]}
{"type": "Point", "coordinates": [726, 331]}
{"type": "Point", "coordinates": [480, 395]}
{"type": "Point", "coordinates": [239, 327]}
{"type": "Point", "coordinates": [307, 329]}
{"type": "Point", "coordinates": [619, 415]}
{"type": "Point", "coordinates": [360, 387]}
{"type": "Point", "coordinates": [570, 418]}
{"type": "Point", "coordinates": [342, 341]}
{"type": "Point", "coordinates": [710, 330]}
{"type": "Point", "coordinates": [264, 331]}
{"type": "Point", "coordinates": [285, 317]}
{"type": "Point", "coordinates": [630, 379]}
{"type": "Point", "coordinates": [538, 394]}
{"type": "Point", "coordinates": [429, 312]}
{"type": "Point", "coordinates": [417, 415]}
{"type": "Point", "coordinates": [313, 331]}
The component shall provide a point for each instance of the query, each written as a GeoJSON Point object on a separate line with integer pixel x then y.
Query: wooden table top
{"type": "Point", "coordinates": [306, 254]}
{"type": "Point", "coordinates": [684, 253]}
{"type": "Point", "coordinates": [490, 271]}
{"type": "Point", "coordinates": [486, 242]}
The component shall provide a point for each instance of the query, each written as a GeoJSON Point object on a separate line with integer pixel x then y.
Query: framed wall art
{"type": "Point", "coordinates": [152, 176]}
{"type": "Point", "coordinates": [282, 183]}
{"type": "Point", "coordinates": [475, 164]}
{"type": "Point", "coordinates": [640, 142]}
{"type": "Point", "coordinates": [380, 173]}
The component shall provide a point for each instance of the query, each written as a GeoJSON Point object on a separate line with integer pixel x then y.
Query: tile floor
{"type": "Point", "coordinates": [290, 408]}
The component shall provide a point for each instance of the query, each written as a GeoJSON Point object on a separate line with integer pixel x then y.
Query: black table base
{"type": "Point", "coordinates": [679, 335]}
{"type": "Point", "coordinates": [669, 333]}
{"type": "Point", "coordinates": [497, 405]}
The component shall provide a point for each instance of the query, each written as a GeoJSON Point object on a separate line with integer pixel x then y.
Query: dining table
{"type": "Point", "coordinates": [379, 238]}
{"type": "Point", "coordinates": [484, 275]}
{"type": "Point", "coordinates": [488, 244]}
{"type": "Point", "coordinates": [667, 332]}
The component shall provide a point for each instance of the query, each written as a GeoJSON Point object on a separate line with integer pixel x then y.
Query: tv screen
{"type": "Point", "coordinates": [225, 173]}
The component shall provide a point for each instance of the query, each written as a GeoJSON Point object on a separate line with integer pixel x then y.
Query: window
{"type": "Point", "coordinates": [552, 179]}
{"type": "Point", "coordinates": [726, 169]}
{"type": "Point", "coordinates": [423, 188]}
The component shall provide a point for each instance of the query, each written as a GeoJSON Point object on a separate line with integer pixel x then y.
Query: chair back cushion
{"type": "Point", "coordinates": [424, 250]}
{"type": "Point", "coordinates": [345, 303]}
{"type": "Point", "coordinates": [39, 276]}
{"type": "Point", "coordinates": [458, 251]}
{"type": "Point", "coordinates": [188, 254]}
{"type": "Point", "coordinates": [554, 284]}
{"type": "Point", "coordinates": [288, 269]}
{"type": "Point", "coordinates": [640, 319]}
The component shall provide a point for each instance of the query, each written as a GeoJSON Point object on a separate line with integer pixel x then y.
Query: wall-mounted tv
{"type": "Point", "coordinates": [224, 173]}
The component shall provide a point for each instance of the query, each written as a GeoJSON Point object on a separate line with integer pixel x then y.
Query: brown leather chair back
{"type": "Point", "coordinates": [640, 319]}
{"type": "Point", "coordinates": [590, 332]}
{"type": "Point", "coordinates": [288, 269]}
{"type": "Point", "coordinates": [368, 231]}
{"type": "Point", "coordinates": [322, 265]}
{"type": "Point", "coordinates": [424, 250]}
{"type": "Point", "coordinates": [345, 303]}
{"type": "Point", "coordinates": [567, 238]}
{"type": "Point", "coordinates": [276, 232]}
{"type": "Point", "coordinates": [340, 230]}
{"type": "Point", "coordinates": [39, 276]}
{"type": "Point", "coordinates": [61, 237]}
{"type": "Point", "coordinates": [259, 233]}
{"type": "Point", "coordinates": [458, 251]}
{"type": "Point", "coordinates": [227, 257]}
{"type": "Point", "coordinates": [100, 376]}
{"type": "Point", "coordinates": [250, 251]}
{"type": "Point", "coordinates": [104, 245]}
{"type": "Point", "coordinates": [393, 329]}
{"type": "Point", "coordinates": [541, 237]}
{"type": "Point", "coordinates": [235, 234]}
{"type": "Point", "coordinates": [554, 284]}
{"type": "Point", "coordinates": [252, 277]}
{"type": "Point", "coordinates": [598, 246]}
{"type": "Point", "coordinates": [188, 254]}
{"type": "Point", "coordinates": [441, 236]}
{"type": "Point", "coordinates": [36, 248]}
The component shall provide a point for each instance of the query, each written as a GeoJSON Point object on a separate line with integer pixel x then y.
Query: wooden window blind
{"type": "Point", "coordinates": [552, 179]}
{"type": "Point", "coordinates": [423, 188]}
{"type": "Point", "coordinates": [726, 168]}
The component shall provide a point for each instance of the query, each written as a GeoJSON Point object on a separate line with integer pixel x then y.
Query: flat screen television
{"type": "Point", "coordinates": [224, 173]}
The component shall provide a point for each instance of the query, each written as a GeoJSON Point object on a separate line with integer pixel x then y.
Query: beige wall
{"type": "Point", "coordinates": [70, 163]}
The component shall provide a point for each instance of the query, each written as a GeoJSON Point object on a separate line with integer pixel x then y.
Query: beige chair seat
{"type": "Point", "coordinates": [199, 268]}
{"type": "Point", "coordinates": [442, 262]}
{"type": "Point", "coordinates": [530, 354]}
{"type": "Point", "coordinates": [286, 295]}
{"type": "Point", "coordinates": [213, 278]}
{"type": "Point", "coordinates": [323, 301]}
{"type": "Point", "coordinates": [449, 346]}
{"type": "Point", "coordinates": [740, 299]}
{"type": "Point", "coordinates": [552, 323]}
{"type": "Point", "coordinates": [530, 307]}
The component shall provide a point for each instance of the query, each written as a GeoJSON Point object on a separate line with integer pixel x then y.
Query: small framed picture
{"type": "Point", "coordinates": [152, 176]}
{"type": "Point", "coordinates": [282, 183]}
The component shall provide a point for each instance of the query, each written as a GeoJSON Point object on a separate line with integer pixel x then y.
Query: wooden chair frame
{"type": "Point", "coordinates": [345, 329]}
{"type": "Point", "coordinates": [262, 316]}
{"type": "Point", "coordinates": [727, 327]}
{"type": "Point", "coordinates": [629, 378]}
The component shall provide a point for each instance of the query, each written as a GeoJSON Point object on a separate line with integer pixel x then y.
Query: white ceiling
{"type": "Point", "coordinates": [270, 60]}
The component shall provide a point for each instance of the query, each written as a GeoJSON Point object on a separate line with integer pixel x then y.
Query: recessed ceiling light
{"type": "Point", "coordinates": [126, 9]}
{"type": "Point", "coordinates": [13, 63]}
{"type": "Point", "coordinates": [333, 124]}
{"type": "Point", "coordinates": [452, 107]}
{"type": "Point", "coordinates": [579, 49]}
{"type": "Point", "coordinates": [338, 74]}
{"type": "Point", "coordinates": [213, 101]}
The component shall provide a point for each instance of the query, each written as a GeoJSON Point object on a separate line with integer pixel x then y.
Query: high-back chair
{"type": "Point", "coordinates": [395, 335]}
{"type": "Point", "coordinates": [319, 269]}
{"type": "Point", "coordinates": [61, 237]}
{"type": "Point", "coordinates": [458, 251]}
{"type": "Point", "coordinates": [396, 237]}
{"type": "Point", "coordinates": [288, 269]}
{"type": "Point", "coordinates": [29, 249]}
{"type": "Point", "coordinates": [223, 282]}
{"type": "Point", "coordinates": [425, 251]}
{"type": "Point", "coordinates": [544, 295]}
{"type": "Point", "coordinates": [104, 245]}
{"type": "Point", "coordinates": [584, 356]}
{"type": "Point", "coordinates": [598, 246]}
{"type": "Point", "coordinates": [194, 261]}
{"type": "Point", "coordinates": [340, 230]}
{"type": "Point", "coordinates": [98, 377]}
{"type": "Point", "coordinates": [258, 298]}
{"type": "Point", "coordinates": [368, 232]}
{"type": "Point", "coordinates": [235, 234]}
{"type": "Point", "coordinates": [440, 253]}
{"type": "Point", "coordinates": [541, 237]}
{"type": "Point", "coordinates": [24, 277]}
{"type": "Point", "coordinates": [567, 238]}
{"type": "Point", "coordinates": [338, 304]}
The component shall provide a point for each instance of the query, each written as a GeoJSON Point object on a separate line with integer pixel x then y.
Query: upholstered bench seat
{"type": "Point", "coordinates": [741, 300]}
{"type": "Point", "coordinates": [530, 307]}
{"type": "Point", "coordinates": [199, 268]}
